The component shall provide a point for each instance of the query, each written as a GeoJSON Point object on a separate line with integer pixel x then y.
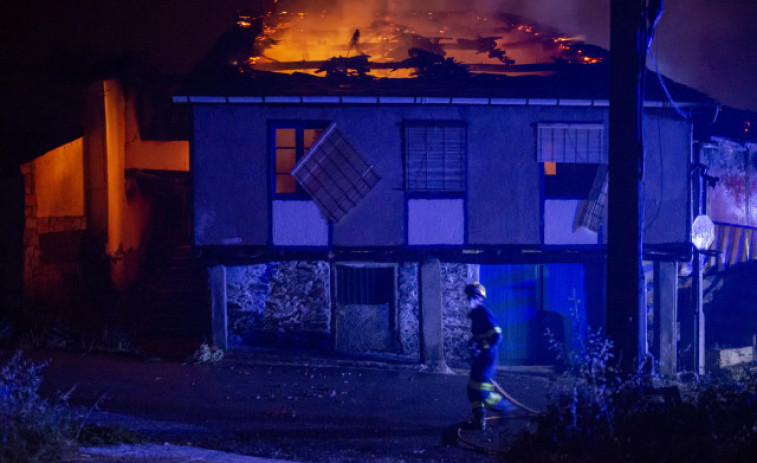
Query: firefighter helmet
{"type": "Point", "coordinates": [475, 289]}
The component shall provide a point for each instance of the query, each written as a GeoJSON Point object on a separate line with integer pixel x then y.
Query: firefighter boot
{"type": "Point", "coordinates": [478, 421]}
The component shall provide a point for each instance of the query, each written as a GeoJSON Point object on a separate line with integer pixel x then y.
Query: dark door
{"type": "Point", "coordinates": [365, 309]}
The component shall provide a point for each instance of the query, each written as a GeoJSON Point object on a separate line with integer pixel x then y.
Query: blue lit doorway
{"type": "Point", "coordinates": [527, 300]}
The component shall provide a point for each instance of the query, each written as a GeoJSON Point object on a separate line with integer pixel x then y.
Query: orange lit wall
{"type": "Point", "coordinates": [129, 211]}
{"type": "Point", "coordinates": [115, 136]}
{"type": "Point", "coordinates": [152, 155]}
{"type": "Point", "coordinates": [59, 181]}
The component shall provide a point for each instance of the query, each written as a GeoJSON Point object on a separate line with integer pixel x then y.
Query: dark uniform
{"type": "Point", "coordinates": [486, 334]}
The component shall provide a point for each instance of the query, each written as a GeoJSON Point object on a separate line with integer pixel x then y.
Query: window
{"type": "Point", "coordinates": [290, 143]}
{"type": "Point", "coordinates": [435, 157]}
{"type": "Point", "coordinates": [574, 160]}
{"type": "Point", "coordinates": [564, 180]}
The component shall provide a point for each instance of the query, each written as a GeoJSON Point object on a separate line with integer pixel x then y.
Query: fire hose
{"type": "Point", "coordinates": [460, 436]}
{"type": "Point", "coordinates": [512, 399]}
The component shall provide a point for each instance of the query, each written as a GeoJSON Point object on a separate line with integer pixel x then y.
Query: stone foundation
{"type": "Point", "coordinates": [279, 304]}
{"type": "Point", "coordinates": [288, 304]}
{"type": "Point", "coordinates": [408, 310]}
{"type": "Point", "coordinates": [455, 313]}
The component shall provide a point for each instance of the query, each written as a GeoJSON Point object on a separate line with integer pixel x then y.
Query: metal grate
{"type": "Point", "coordinates": [335, 174]}
{"type": "Point", "coordinates": [365, 285]}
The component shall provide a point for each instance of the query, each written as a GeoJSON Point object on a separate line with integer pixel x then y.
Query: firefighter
{"type": "Point", "coordinates": [485, 335]}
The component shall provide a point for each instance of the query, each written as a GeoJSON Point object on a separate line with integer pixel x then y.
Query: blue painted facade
{"type": "Point", "coordinates": [231, 161]}
{"type": "Point", "coordinates": [502, 222]}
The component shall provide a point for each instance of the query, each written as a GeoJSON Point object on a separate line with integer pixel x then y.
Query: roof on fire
{"type": "Point", "coordinates": [569, 81]}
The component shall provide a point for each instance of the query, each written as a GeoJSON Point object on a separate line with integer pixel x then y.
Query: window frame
{"type": "Point", "coordinates": [587, 203]}
{"type": "Point", "coordinates": [299, 127]}
{"type": "Point", "coordinates": [434, 194]}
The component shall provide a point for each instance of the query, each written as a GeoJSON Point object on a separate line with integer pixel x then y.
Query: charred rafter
{"type": "Point", "coordinates": [289, 66]}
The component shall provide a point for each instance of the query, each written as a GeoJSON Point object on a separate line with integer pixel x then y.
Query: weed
{"type": "Point", "coordinates": [207, 354]}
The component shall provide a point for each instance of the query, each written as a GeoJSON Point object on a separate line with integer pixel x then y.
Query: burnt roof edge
{"type": "Point", "coordinates": [416, 100]}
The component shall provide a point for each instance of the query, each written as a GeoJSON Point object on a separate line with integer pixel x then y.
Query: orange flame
{"type": "Point", "coordinates": [385, 31]}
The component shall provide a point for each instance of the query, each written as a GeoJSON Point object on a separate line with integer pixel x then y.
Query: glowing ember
{"type": "Point", "coordinates": [304, 37]}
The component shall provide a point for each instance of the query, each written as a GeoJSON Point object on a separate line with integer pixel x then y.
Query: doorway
{"type": "Point", "coordinates": [365, 309]}
{"type": "Point", "coordinates": [529, 299]}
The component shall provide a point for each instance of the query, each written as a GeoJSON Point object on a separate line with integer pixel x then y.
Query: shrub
{"type": "Point", "coordinates": [601, 418]}
{"type": "Point", "coordinates": [31, 428]}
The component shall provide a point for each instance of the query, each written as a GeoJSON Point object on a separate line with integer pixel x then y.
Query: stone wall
{"type": "Point", "coordinates": [455, 312]}
{"type": "Point", "coordinates": [288, 304]}
{"type": "Point", "coordinates": [409, 310]}
{"type": "Point", "coordinates": [284, 304]}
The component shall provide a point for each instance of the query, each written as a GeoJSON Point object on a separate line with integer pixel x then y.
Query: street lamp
{"type": "Point", "coordinates": [702, 232]}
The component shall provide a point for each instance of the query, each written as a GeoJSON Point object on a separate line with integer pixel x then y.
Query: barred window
{"type": "Point", "coordinates": [364, 285]}
{"type": "Point", "coordinates": [435, 157]}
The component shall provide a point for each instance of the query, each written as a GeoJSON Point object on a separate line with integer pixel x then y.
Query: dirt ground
{"type": "Point", "coordinates": [290, 408]}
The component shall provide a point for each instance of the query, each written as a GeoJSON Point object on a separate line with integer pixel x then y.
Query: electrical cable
{"type": "Point", "coordinates": [665, 88]}
{"type": "Point", "coordinates": [649, 223]}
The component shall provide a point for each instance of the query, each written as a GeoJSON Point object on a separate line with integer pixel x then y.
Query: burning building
{"type": "Point", "coordinates": [352, 167]}
{"type": "Point", "coordinates": [352, 172]}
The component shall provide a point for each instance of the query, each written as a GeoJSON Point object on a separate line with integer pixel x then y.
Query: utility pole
{"type": "Point", "coordinates": [626, 308]}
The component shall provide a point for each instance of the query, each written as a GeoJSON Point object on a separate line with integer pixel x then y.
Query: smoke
{"type": "Point", "coordinates": [711, 46]}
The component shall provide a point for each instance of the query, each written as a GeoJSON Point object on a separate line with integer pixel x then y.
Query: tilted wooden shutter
{"type": "Point", "coordinates": [589, 212]}
{"type": "Point", "coordinates": [335, 174]}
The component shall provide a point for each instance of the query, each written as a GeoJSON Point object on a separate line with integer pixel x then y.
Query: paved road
{"type": "Point", "coordinates": [290, 408]}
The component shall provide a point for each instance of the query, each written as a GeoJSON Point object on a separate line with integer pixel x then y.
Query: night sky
{"type": "Point", "coordinates": [709, 45]}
